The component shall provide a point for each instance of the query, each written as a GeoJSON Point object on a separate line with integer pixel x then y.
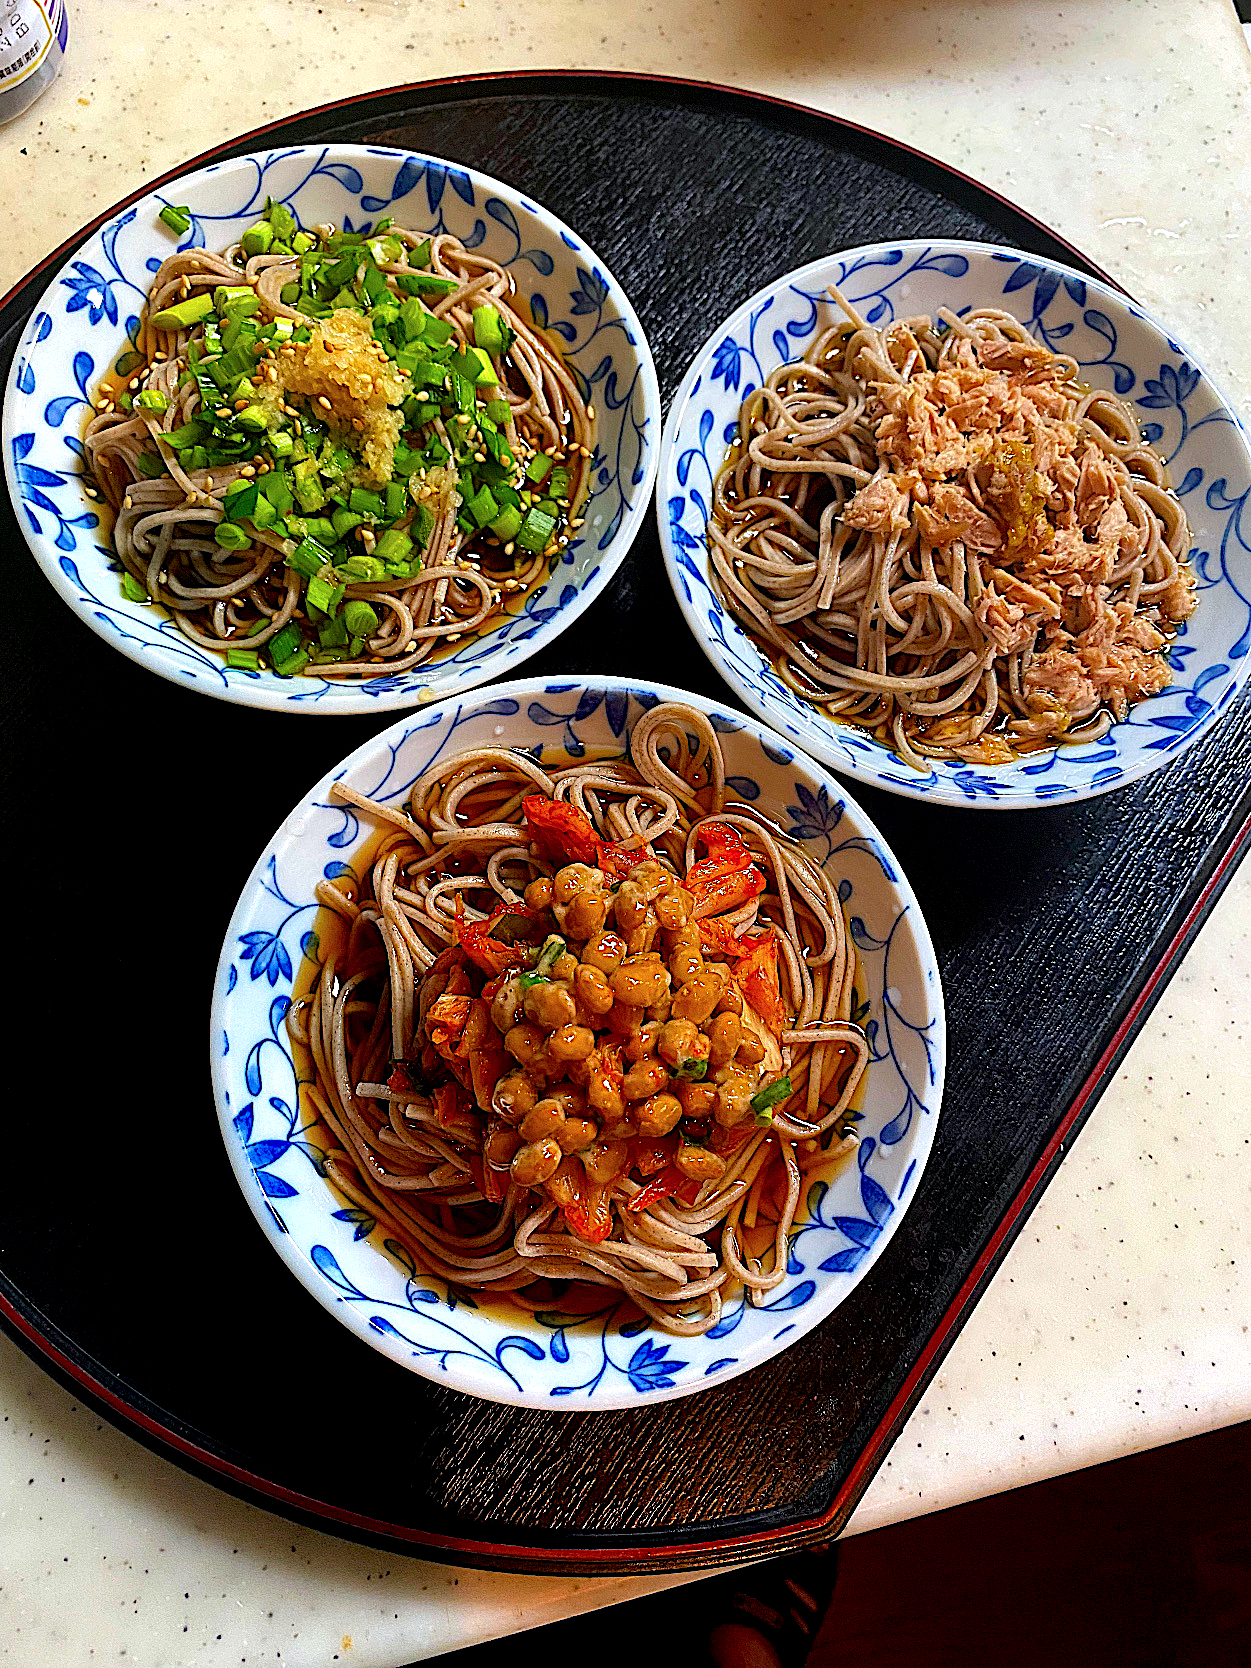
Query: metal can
{"type": "Point", "coordinates": [32, 46]}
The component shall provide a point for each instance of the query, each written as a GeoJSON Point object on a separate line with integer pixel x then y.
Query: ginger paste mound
{"type": "Point", "coordinates": [347, 376]}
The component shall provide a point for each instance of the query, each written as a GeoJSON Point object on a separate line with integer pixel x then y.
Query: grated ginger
{"type": "Point", "coordinates": [343, 364]}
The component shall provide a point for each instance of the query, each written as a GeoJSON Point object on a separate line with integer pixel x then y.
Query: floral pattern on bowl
{"type": "Point", "coordinates": [87, 320]}
{"type": "Point", "coordinates": [561, 1361]}
{"type": "Point", "coordinates": [1119, 348]}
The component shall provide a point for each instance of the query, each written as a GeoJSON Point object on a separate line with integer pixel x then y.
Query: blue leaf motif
{"type": "Point", "coordinates": [844, 1262]}
{"type": "Point", "coordinates": [274, 1187]}
{"type": "Point", "coordinates": [616, 710]}
{"type": "Point", "coordinates": [876, 1199]}
{"type": "Point", "coordinates": [242, 1122]}
{"type": "Point", "coordinates": [794, 1299]}
{"type": "Point", "coordinates": [527, 1346]}
{"type": "Point", "coordinates": [857, 1230]}
{"type": "Point", "coordinates": [347, 176]}
{"type": "Point", "coordinates": [324, 1259]}
{"type": "Point", "coordinates": [1026, 273]}
{"type": "Point", "coordinates": [725, 363]}
{"type": "Point", "coordinates": [461, 184]}
{"type": "Point", "coordinates": [410, 172]}
{"type": "Point", "coordinates": [560, 1348]}
{"type": "Point", "coordinates": [261, 1153]}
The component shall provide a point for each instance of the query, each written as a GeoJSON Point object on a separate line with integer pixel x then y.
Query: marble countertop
{"type": "Point", "coordinates": [1119, 1319]}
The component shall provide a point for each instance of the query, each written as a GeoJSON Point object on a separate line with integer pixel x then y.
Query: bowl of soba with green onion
{"type": "Point", "coordinates": [333, 429]}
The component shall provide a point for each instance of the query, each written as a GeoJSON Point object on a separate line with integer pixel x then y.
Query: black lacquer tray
{"type": "Point", "coordinates": [135, 810]}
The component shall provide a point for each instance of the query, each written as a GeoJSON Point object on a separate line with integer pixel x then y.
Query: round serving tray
{"type": "Point", "coordinates": [134, 1270]}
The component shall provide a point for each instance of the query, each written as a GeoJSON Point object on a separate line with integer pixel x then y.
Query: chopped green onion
{"type": "Point", "coordinates": [396, 500]}
{"type": "Point", "coordinates": [176, 216]}
{"type": "Point", "coordinates": [281, 219]}
{"type": "Point", "coordinates": [243, 660]}
{"type": "Point", "coordinates": [184, 313]}
{"type": "Point", "coordinates": [151, 400]}
{"type": "Point", "coordinates": [132, 590]}
{"type": "Point", "coordinates": [274, 487]}
{"type": "Point", "coordinates": [538, 467]}
{"type": "Point", "coordinates": [499, 411]}
{"type": "Point", "coordinates": [483, 507]}
{"type": "Point", "coordinates": [292, 664]}
{"type": "Point", "coordinates": [281, 444]}
{"type": "Point", "coordinates": [185, 436]}
{"type": "Point", "coordinates": [394, 546]}
{"type": "Point", "coordinates": [257, 239]}
{"type": "Point", "coordinates": [308, 558]}
{"type": "Point", "coordinates": [285, 642]}
{"type": "Point", "coordinates": [425, 283]}
{"type": "Point", "coordinates": [360, 619]}
{"type": "Point", "coordinates": [436, 331]}
{"type": "Point", "coordinates": [333, 635]}
{"type": "Point", "coordinates": [536, 530]}
{"type": "Point", "coordinates": [263, 513]}
{"type": "Point", "coordinates": [150, 465]}
{"type": "Point", "coordinates": [302, 242]}
{"type": "Point", "coordinates": [764, 1100]}
{"type": "Point", "coordinates": [335, 461]}
{"type": "Point", "coordinates": [231, 536]}
{"type": "Point", "coordinates": [420, 528]}
{"type": "Point", "coordinates": [306, 486]}
{"type": "Point", "coordinates": [240, 499]}
{"type": "Point", "coordinates": [253, 417]}
{"type": "Point", "coordinates": [692, 1070]}
{"type": "Point", "coordinates": [558, 484]}
{"type": "Point", "coordinates": [324, 594]}
{"type": "Point", "coordinates": [490, 331]}
{"type": "Point", "coordinates": [343, 522]}
{"type": "Point", "coordinates": [366, 569]}
{"type": "Point", "coordinates": [474, 364]}
{"type": "Point", "coordinates": [227, 296]}
{"type": "Point", "coordinates": [507, 524]}
{"type": "Point", "coordinates": [549, 955]}
{"type": "Point", "coordinates": [363, 502]}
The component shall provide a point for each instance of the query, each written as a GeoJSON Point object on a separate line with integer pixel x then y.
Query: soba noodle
{"type": "Point", "coordinates": [437, 1163]}
{"type": "Point", "coordinates": [454, 570]}
{"type": "Point", "coordinates": [940, 536]}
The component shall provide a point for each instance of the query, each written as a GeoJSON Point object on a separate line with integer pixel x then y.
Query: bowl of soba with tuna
{"type": "Point", "coordinates": [962, 523]}
{"type": "Point", "coordinates": [331, 429]}
{"type": "Point", "coordinates": [578, 1045]}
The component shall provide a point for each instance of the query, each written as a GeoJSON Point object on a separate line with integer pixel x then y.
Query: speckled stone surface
{"type": "Point", "coordinates": [1120, 1317]}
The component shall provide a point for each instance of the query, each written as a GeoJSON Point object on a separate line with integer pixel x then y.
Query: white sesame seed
{"type": "Point", "coordinates": [590, 411]}
{"type": "Point", "coordinates": [248, 470]}
{"type": "Point", "coordinates": [128, 502]}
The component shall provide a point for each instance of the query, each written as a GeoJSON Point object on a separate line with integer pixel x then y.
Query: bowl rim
{"type": "Point", "coordinates": [941, 791]}
{"type": "Point", "coordinates": [297, 1261]}
{"type": "Point", "coordinates": [268, 692]}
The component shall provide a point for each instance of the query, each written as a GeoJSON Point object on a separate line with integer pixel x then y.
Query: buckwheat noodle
{"type": "Point", "coordinates": [941, 537]}
{"type": "Point", "coordinates": [463, 835]}
{"type": "Point", "coordinates": [163, 531]}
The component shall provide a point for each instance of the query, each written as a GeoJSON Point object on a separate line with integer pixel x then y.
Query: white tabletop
{"type": "Point", "coordinates": [1119, 1319]}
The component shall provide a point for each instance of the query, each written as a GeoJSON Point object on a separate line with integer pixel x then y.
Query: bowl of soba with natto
{"type": "Point", "coordinates": [963, 523]}
{"type": "Point", "coordinates": [331, 429]}
{"type": "Point", "coordinates": [578, 1045]}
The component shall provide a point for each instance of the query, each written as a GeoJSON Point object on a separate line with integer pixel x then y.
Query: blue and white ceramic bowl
{"type": "Point", "coordinates": [91, 309]}
{"type": "Point", "coordinates": [1119, 348]}
{"type": "Point", "coordinates": [602, 1361]}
